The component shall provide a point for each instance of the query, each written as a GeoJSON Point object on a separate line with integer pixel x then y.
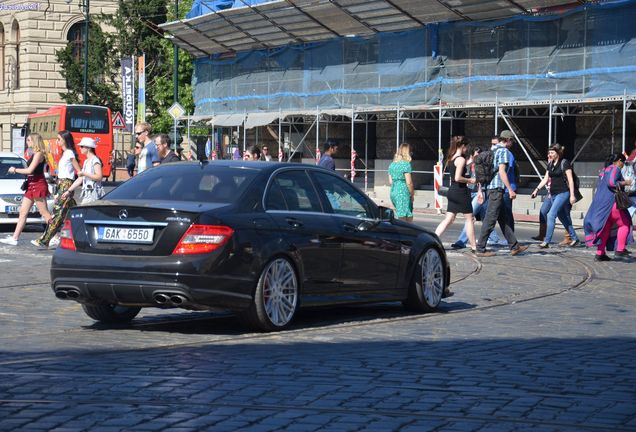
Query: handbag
{"type": "Point", "coordinates": [25, 185]}
{"type": "Point", "coordinates": [443, 191]}
{"type": "Point", "coordinates": [622, 199]}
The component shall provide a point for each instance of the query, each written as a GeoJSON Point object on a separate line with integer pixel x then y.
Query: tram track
{"type": "Point", "coordinates": [362, 320]}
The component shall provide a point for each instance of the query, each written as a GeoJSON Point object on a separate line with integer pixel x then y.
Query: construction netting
{"type": "Point", "coordinates": [588, 52]}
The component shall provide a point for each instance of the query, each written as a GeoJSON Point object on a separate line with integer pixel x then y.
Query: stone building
{"type": "Point", "coordinates": [31, 31]}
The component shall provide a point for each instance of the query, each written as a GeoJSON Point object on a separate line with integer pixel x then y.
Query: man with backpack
{"type": "Point", "coordinates": [491, 168]}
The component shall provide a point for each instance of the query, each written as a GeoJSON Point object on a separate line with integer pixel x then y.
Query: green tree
{"type": "Point", "coordinates": [135, 32]}
{"type": "Point", "coordinates": [101, 87]}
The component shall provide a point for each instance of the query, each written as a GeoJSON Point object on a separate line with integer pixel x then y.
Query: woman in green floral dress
{"type": "Point", "coordinates": [401, 183]}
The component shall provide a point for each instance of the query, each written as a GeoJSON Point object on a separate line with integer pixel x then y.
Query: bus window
{"type": "Point", "coordinates": [87, 120]}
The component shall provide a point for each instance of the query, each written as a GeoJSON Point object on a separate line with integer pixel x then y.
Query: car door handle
{"type": "Point", "coordinates": [349, 227]}
{"type": "Point", "coordinates": [294, 223]}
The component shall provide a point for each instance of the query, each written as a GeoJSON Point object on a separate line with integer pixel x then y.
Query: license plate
{"type": "Point", "coordinates": [16, 209]}
{"type": "Point", "coordinates": [125, 235]}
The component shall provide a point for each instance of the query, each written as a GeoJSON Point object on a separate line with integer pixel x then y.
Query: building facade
{"type": "Point", "coordinates": [30, 34]}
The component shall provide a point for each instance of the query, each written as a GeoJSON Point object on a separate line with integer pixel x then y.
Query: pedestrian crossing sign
{"type": "Point", "coordinates": [118, 121]}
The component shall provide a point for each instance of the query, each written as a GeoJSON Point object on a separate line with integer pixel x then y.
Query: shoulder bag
{"type": "Point", "coordinates": [622, 199]}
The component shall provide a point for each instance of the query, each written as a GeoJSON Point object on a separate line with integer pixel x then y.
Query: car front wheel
{"type": "Point", "coordinates": [427, 287]}
{"type": "Point", "coordinates": [111, 314]}
{"type": "Point", "coordinates": [276, 297]}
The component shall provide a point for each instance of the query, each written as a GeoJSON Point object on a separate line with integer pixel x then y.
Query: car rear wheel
{"type": "Point", "coordinates": [276, 297]}
{"type": "Point", "coordinates": [111, 314]}
{"type": "Point", "coordinates": [427, 287]}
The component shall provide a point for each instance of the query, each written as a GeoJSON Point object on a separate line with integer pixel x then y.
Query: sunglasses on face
{"type": "Point", "coordinates": [137, 147]}
{"type": "Point", "coordinates": [139, 133]}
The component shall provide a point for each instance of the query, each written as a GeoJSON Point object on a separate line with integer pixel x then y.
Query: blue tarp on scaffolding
{"type": "Point", "coordinates": [202, 7]}
{"type": "Point", "coordinates": [587, 52]}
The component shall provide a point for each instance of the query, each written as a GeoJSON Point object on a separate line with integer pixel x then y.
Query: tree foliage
{"type": "Point", "coordinates": [133, 31]}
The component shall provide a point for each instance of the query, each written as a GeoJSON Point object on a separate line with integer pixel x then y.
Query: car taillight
{"type": "Point", "coordinates": [66, 236]}
{"type": "Point", "coordinates": [199, 239]}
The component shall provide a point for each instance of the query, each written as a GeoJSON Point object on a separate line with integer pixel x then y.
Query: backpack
{"type": "Point", "coordinates": [485, 167]}
{"type": "Point", "coordinates": [575, 178]}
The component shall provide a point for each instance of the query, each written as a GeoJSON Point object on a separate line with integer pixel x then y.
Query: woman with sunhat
{"type": "Point", "coordinates": [90, 177]}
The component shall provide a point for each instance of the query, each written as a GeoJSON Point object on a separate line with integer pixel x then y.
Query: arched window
{"type": "Point", "coordinates": [15, 36]}
{"type": "Point", "coordinates": [2, 77]}
{"type": "Point", "coordinates": [76, 40]}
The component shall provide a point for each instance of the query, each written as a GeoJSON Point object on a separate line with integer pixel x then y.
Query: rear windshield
{"type": "Point", "coordinates": [87, 120]}
{"type": "Point", "coordinates": [183, 181]}
{"type": "Point", "coordinates": [6, 163]}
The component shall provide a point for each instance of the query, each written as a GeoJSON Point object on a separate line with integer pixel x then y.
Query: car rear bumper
{"type": "Point", "coordinates": [113, 280]}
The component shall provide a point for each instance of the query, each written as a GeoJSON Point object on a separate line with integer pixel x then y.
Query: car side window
{"type": "Point", "coordinates": [344, 198]}
{"type": "Point", "coordinates": [296, 191]}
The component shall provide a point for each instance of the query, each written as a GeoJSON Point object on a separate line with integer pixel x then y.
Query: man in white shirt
{"type": "Point", "coordinates": [149, 156]}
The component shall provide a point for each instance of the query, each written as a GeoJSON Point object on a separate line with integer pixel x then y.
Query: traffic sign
{"type": "Point", "coordinates": [118, 121]}
{"type": "Point", "coordinates": [176, 110]}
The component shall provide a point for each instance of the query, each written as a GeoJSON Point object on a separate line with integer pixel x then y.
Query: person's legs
{"type": "Point", "coordinates": [495, 202]}
{"type": "Point", "coordinates": [25, 208]}
{"type": "Point", "coordinates": [469, 226]}
{"type": "Point", "coordinates": [448, 220]}
{"type": "Point", "coordinates": [506, 227]}
{"type": "Point", "coordinates": [566, 219]}
{"type": "Point", "coordinates": [463, 238]}
{"type": "Point", "coordinates": [604, 236]}
{"type": "Point", "coordinates": [622, 220]}
{"type": "Point", "coordinates": [40, 203]}
{"type": "Point", "coordinates": [543, 216]}
{"type": "Point", "coordinates": [508, 208]}
{"type": "Point", "coordinates": [60, 210]}
{"type": "Point", "coordinates": [557, 203]}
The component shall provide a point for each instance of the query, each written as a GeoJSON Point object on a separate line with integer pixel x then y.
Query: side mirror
{"type": "Point", "coordinates": [386, 214]}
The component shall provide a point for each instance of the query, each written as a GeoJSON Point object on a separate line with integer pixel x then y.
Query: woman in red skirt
{"type": "Point", "coordinates": [37, 189]}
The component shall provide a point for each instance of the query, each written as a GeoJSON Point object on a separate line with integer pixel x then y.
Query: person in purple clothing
{"type": "Point", "coordinates": [329, 148]}
{"type": "Point", "coordinates": [603, 213]}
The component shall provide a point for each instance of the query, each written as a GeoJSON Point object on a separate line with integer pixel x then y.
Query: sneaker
{"type": "Point", "coordinates": [544, 245]}
{"type": "Point", "coordinates": [39, 244]}
{"type": "Point", "coordinates": [458, 245]}
{"type": "Point", "coordinates": [574, 243]}
{"type": "Point", "coordinates": [447, 293]}
{"type": "Point", "coordinates": [484, 253]}
{"type": "Point", "coordinates": [621, 254]}
{"type": "Point", "coordinates": [9, 241]}
{"type": "Point", "coordinates": [602, 258]}
{"type": "Point", "coordinates": [537, 238]}
{"type": "Point", "coordinates": [54, 242]}
{"type": "Point", "coordinates": [518, 249]}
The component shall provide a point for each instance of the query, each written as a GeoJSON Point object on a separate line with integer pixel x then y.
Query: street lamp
{"type": "Point", "coordinates": [85, 5]}
{"type": "Point", "coordinates": [175, 66]}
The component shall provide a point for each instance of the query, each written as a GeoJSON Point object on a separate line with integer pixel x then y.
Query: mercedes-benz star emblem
{"type": "Point", "coordinates": [123, 214]}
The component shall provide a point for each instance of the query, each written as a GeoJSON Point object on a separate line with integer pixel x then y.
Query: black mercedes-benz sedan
{"type": "Point", "coordinates": [260, 239]}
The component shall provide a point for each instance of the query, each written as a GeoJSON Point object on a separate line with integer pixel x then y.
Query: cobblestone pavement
{"type": "Point", "coordinates": [545, 341]}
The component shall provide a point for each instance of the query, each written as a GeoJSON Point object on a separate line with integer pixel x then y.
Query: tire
{"type": "Point", "coordinates": [111, 314]}
{"type": "Point", "coordinates": [275, 299]}
{"type": "Point", "coordinates": [427, 287]}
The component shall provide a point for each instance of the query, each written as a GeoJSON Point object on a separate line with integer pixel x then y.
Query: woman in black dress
{"type": "Point", "coordinates": [458, 194]}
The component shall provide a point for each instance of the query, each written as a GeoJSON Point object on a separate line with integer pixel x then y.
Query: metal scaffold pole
{"type": "Point", "coordinates": [624, 118]}
{"type": "Point", "coordinates": [397, 130]}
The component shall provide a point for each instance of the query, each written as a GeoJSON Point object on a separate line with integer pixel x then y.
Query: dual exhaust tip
{"type": "Point", "coordinates": [68, 294]}
{"type": "Point", "coordinates": [170, 299]}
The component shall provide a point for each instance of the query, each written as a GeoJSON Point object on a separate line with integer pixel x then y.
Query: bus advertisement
{"type": "Point", "coordinates": [82, 121]}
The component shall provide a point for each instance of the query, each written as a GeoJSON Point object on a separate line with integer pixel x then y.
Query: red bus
{"type": "Point", "coordinates": [82, 121]}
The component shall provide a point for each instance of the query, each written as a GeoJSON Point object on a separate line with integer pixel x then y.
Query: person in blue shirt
{"type": "Point", "coordinates": [496, 211]}
{"type": "Point", "coordinates": [329, 149]}
{"type": "Point", "coordinates": [149, 155]}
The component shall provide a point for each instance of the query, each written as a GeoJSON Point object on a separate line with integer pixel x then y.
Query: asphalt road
{"type": "Point", "coordinates": [542, 341]}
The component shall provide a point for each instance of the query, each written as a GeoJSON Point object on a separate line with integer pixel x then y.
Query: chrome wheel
{"type": "Point", "coordinates": [432, 277]}
{"type": "Point", "coordinates": [280, 292]}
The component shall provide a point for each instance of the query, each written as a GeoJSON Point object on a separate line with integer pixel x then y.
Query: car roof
{"type": "Point", "coordinates": [261, 165]}
{"type": "Point", "coordinates": [10, 155]}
